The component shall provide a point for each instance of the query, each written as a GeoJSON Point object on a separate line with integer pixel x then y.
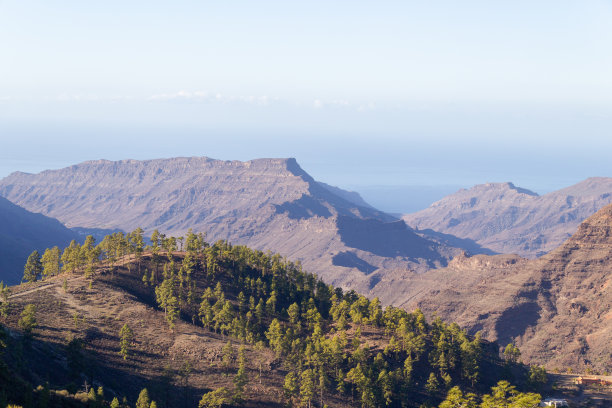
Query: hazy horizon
{"type": "Point", "coordinates": [362, 94]}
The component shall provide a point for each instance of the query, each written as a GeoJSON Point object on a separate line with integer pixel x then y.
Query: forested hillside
{"type": "Point", "coordinates": [224, 325]}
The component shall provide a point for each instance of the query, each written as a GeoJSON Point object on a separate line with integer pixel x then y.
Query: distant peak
{"type": "Point", "coordinates": [19, 173]}
{"type": "Point", "coordinates": [522, 190]}
{"type": "Point", "coordinates": [504, 186]}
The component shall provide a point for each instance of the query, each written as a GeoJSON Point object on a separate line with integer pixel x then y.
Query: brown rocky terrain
{"type": "Point", "coordinates": [268, 204]}
{"type": "Point", "coordinates": [96, 315]}
{"type": "Point", "coordinates": [21, 232]}
{"type": "Point", "coordinates": [509, 219]}
{"type": "Point", "coordinates": [76, 341]}
{"type": "Point", "coordinates": [557, 308]}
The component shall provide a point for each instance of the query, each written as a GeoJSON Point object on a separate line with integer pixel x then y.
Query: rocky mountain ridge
{"type": "Point", "coordinates": [509, 219]}
{"type": "Point", "coordinates": [556, 308]}
{"type": "Point", "coordinates": [269, 204]}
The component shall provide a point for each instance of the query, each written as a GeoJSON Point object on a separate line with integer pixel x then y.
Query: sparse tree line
{"type": "Point", "coordinates": [322, 335]}
{"type": "Point", "coordinates": [86, 257]}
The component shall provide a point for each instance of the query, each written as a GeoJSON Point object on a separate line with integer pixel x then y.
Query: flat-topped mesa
{"type": "Point", "coordinates": [269, 204]}
{"type": "Point", "coordinates": [122, 185]}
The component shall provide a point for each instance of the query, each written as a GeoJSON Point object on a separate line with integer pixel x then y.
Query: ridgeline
{"type": "Point", "coordinates": [217, 325]}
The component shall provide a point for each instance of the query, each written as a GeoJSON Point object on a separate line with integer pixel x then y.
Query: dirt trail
{"type": "Point", "coordinates": [122, 262]}
{"type": "Point", "coordinates": [42, 287]}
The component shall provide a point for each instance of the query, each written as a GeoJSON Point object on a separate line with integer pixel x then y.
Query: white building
{"type": "Point", "coordinates": [553, 402]}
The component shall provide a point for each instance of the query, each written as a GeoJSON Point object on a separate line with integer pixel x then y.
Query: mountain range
{"type": "Point", "coordinates": [512, 220]}
{"type": "Point", "coordinates": [556, 308]}
{"type": "Point", "coordinates": [268, 204]}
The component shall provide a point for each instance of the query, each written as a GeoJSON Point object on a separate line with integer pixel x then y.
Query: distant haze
{"type": "Point", "coordinates": [361, 93]}
{"type": "Point", "coordinates": [435, 153]}
{"type": "Point", "coordinates": [403, 199]}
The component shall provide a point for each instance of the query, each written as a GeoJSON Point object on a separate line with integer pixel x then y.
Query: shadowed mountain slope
{"type": "Point", "coordinates": [21, 232]}
{"type": "Point", "coordinates": [269, 204]}
{"type": "Point", "coordinates": [558, 308]}
{"type": "Point", "coordinates": [509, 219]}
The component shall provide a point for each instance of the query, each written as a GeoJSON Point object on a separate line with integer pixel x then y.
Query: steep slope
{"type": "Point", "coordinates": [21, 232]}
{"type": "Point", "coordinates": [269, 204]}
{"type": "Point", "coordinates": [558, 308]}
{"type": "Point", "coordinates": [508, 219]}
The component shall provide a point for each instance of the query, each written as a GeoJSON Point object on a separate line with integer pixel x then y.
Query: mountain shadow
{"type": "Point", "coordinates": [351, 260]}
{"type": "Point", "coordinates": [388, 239]}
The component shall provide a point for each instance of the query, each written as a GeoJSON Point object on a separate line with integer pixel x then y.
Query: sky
{"type": "Point", "coordinates": [364, 94]}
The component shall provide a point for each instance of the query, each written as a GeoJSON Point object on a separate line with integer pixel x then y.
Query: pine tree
{"type": "Point", "coordinates": [206, 311]}
{"type": "Point", "coordinates": [456, 399]}
{"type": "Point", "coordinates": [537, 376]}
{"type": "Point", "coordinates": [223, 319]}
{"type": "Point", "coordinates": [433, 385]}
{"type": "Point", "coordinates": [307, 388]}
{"type": "Point", "coordinates": [167, 300]}
{"type": "Point", "coordinates": [89, 255]}
{"type": "Point", "coordinates": [228, 354]}
{"type": "Point", "coordinates": [241, 379]}
{"type": "Point", "coordinates": [27, 322]}
{"type": "Point", "coordinates": [91, 396]}
{"type": "Point", "coordinates": [259, 311]}
{"type": "Point", "coordinates": [5, 304]}
{"type": "Point", "coordinates": [512, 353]}
{"type": "Point", "coordinates": [143, 400]}
{"type": "Point", "coordinates": [99, 397]}
{"type": "Point", "coordinates": [241, 303]}
{"type": "Point", "coordinates": [294, 313]}
{"type": "Point", "coordinates": [290, 386]}
{"type": "Point", "coordinates": [70, 257]}
{"type": "Point", "coordinates": [33, 268]}
{"type": "Point", "coordinates": [385, 384]}
{"type": "Point", "coordinates": [505, 395]}
{"type": "Point", "coordinates": [214, 399]}
{"type": "Point", "coordinates": [51, 262]}
{"type": "Point", "coordinates": [137, 243]}
{"type": "Point", "coordinates": [275, 337]}
{"type": "Point", "coordinates": [125, 341]}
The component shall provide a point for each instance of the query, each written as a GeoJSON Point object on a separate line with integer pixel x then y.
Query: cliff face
{"type": "Point", "coordinates": [508, 219]}
{"type": "Point", "coordinates": [557, 308]}
{"type": "Point", "coordinates": [269, 204]}
{"type": "Point", "coordinates": [21, 232]}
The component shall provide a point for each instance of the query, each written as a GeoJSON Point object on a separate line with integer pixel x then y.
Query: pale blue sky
{"type": "Point", "coordinates": [361, 92]}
